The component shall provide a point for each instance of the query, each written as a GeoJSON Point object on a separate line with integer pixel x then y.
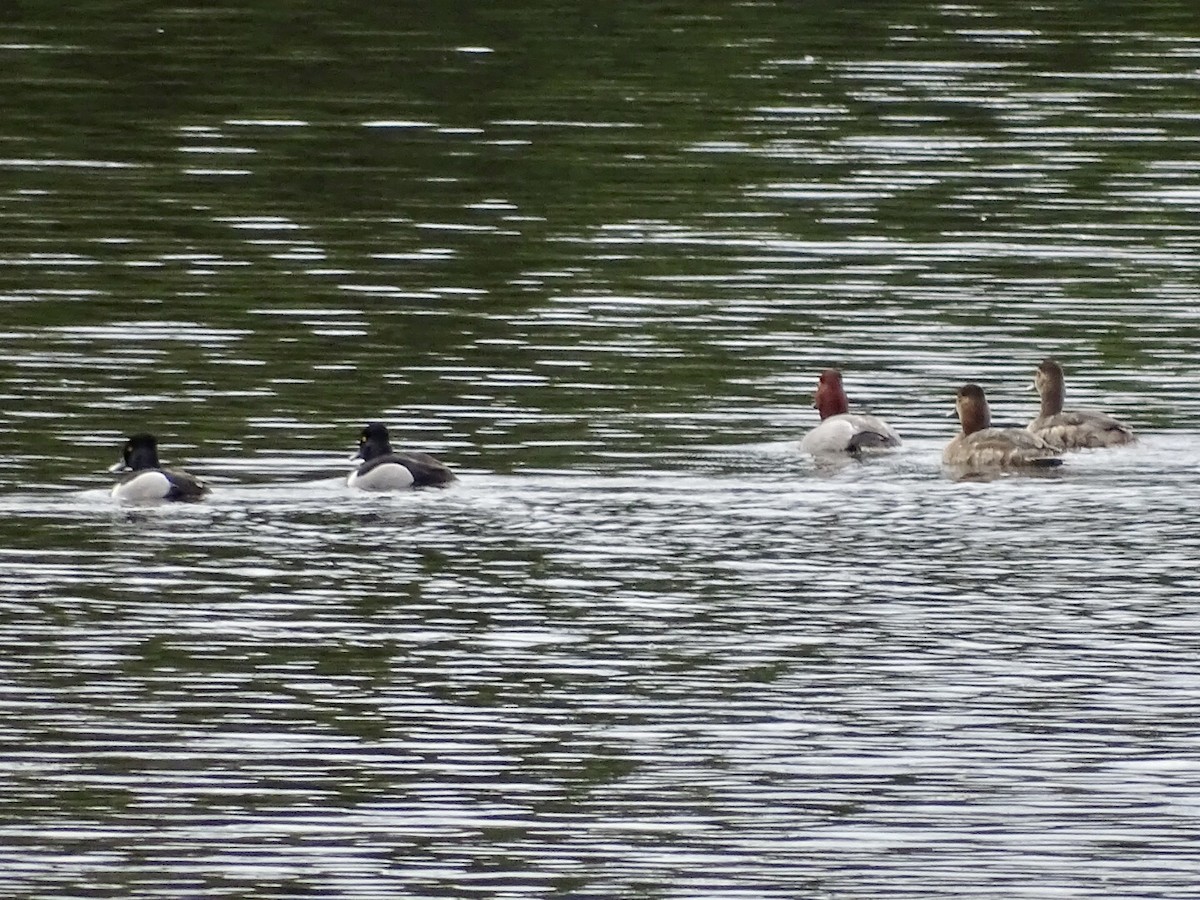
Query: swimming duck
{"type": "Point", "coordinates": [1074, 429]}
{"type": "Point", "coordinates": [980, 446]}
{"type": "Point", "coordinates": [842, 431]}
{"type": "Point", "coordinates": [383, 469]}
{"type": "Point", "coordinates": [147, 479]}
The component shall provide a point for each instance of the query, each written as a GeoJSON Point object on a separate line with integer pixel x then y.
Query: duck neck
{"type": "Point", "coordinates": [1052, 397]}
{"type": "Point", "coordinates": [975, 417]}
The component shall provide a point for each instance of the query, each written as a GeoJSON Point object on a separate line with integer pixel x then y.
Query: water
{"type": "Point", "coordinates": [644, 647]}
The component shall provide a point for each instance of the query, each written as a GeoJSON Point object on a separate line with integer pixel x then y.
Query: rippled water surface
{"type": "Point", "coordinates": [595, 260]}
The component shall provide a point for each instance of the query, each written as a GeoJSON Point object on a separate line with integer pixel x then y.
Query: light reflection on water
{"type": "Point", "coordinates": [716, 663]}
{"type": "Point", "coordinates": [736, 681]}
{"type": "Point", "coordinates": [644, 647]}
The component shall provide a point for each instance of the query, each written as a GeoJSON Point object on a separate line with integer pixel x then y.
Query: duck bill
{"type": "Point", "coordinates": [118, 466]}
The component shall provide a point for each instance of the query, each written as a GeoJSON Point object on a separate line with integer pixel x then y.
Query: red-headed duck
{"type": "Point", "coordinates": [979, 446]}
{"type": "Point", "coordinates": [842, 431]}
{"type": "Point", "coordinates": [1076, 429]}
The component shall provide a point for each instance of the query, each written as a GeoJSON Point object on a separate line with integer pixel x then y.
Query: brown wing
{"type": "Point", "coordinates": [1082, 429]}
{"type": "Point", "coordinates": [1000, 448]}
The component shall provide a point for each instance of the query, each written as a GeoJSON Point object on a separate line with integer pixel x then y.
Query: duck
{"type": "Point", "coordinates": [980, 446]}
{"type": "Point", "coordinates": [147, 479]}
{"type": "Point", "coordinates": [842, 431]}
{"type": "Point", "coordinates": [1077, 429]}
{"type": "Point", "coordinates": [384, 469]}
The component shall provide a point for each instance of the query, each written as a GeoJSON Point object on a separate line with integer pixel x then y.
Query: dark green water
{"type": "Point", "coordinates": [594, 258]}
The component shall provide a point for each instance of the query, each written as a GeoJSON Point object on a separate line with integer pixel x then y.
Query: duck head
{"type": "Point", "coordinates": [140, 452]}
{"type": "Point", "coordinates": [972, 407]}
{"type": "Point", "coordinates": [373, 441]}
{"type": "Point", "coordinates": [1049, 382]}
{"type": "Point", "coordinates": [830, 399]}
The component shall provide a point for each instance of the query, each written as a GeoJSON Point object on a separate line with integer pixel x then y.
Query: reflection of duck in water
{"type": "Point", "coordinates": [842, 431]}
{"type": "Point", "coordinates": [979, 446]}
{"type": "Point", "coordinates": [147, 479]}
{"type": "Point", "coordinates": [1073, 429]}
{"type": "Point", "coordinates": [383, 469]}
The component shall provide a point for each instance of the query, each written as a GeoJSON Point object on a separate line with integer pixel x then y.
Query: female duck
{"type": "Point", "coordinates": [979, 446]}
{"type": "Point", "coordinates": [383, 469]}
{"type": "Point", "coordinates": [147, 479]}
{"type": "Point", "coordinates": [1074, 429]}
{"type": "Point", "coordinates": [842, 431]}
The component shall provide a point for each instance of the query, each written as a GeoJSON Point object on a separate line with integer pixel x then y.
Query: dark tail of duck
{"type": "Point", "coordinates": [870, 440]}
